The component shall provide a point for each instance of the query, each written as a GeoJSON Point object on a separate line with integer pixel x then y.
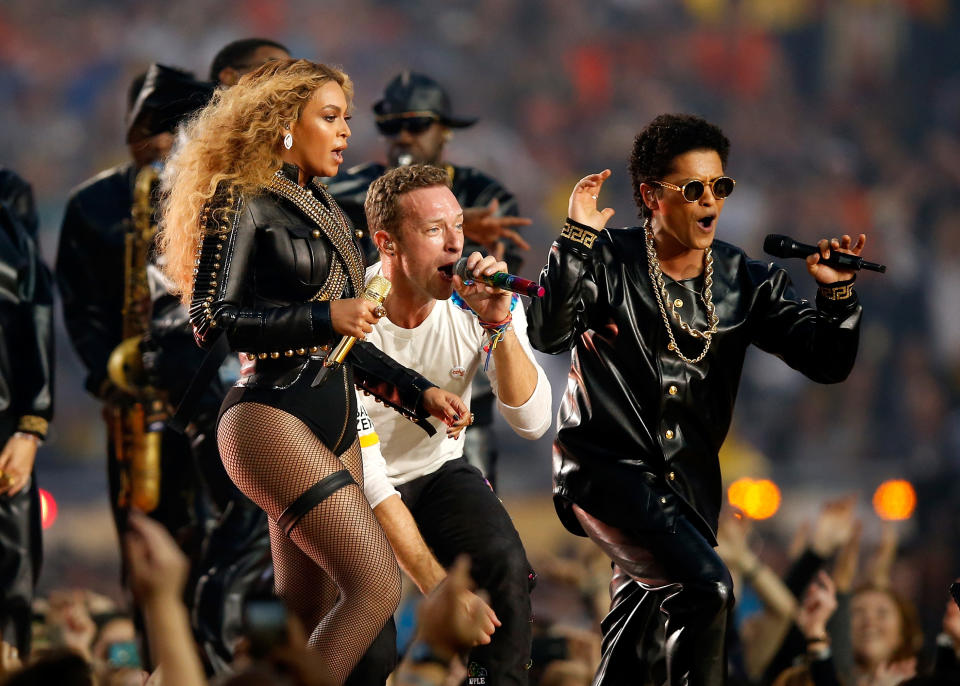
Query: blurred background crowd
{"type": "Point", "coordinates": [844, 117]}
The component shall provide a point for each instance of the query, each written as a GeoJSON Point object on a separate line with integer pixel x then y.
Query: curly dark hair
{"type": "Point", "coordinates": [382, 205]}
{"type": "Point", "coordinates": [667, 136]}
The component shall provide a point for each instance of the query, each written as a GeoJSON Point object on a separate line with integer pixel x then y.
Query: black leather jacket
{"type": "Point", "coordinates": [471, 187]}
{"type": "Point", "coordinates": [639, 429]}
{"type": "Point", "coordinates": [26, 315]}
{"type": "Point", "coordinates": [257, 276]}
{"type": "Point", "coordinates": [90, 267]}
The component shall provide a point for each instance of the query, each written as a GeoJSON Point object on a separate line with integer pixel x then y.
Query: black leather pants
{"type": "Point", "coordinates": [235, 560]}
{"type": "Point", "coordinates": [671, 598]}
{"type": "Point", "coordinates": [20, 557]}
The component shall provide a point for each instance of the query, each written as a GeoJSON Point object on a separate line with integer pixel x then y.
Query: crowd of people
{"type": "Point", "coordinates": [832, 611]}
{"type": "Point", "coordinates": [242, 194]}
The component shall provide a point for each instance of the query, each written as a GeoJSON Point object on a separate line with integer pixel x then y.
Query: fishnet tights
{"type": "Point", "coordinates": [336, 571]}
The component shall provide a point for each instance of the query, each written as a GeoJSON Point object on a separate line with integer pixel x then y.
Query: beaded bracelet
{"type": "Point", "coordinates": [497, 331]}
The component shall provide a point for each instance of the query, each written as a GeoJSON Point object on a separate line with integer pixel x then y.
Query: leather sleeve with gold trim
{"type": "Point", "coordinates": [223, 297]}
{"type": "Point", "coordinates": [576, 232]}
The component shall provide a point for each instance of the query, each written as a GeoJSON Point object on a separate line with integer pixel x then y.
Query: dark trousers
{"type": "Point", "coordinates": [480, 443]}
{"type": "Point", "coordinates": [20, 556]}
{"type": "Point", "coordinates": [222, 532]}
{"type": "Point", "coordinates": [669, 582]}
{"type": "Point", "coordinates": [235, 559]}
{"type": "Point", "coordinates": [458, 513]}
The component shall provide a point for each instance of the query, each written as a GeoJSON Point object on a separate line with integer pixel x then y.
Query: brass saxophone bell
{"type": "Point", "coordinates": [125, 366]}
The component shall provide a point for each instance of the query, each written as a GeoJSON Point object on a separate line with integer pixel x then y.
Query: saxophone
{"type": "Point", "coordinates": [136, 422]}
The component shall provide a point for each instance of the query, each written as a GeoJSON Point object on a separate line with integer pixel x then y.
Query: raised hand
{"type": "Point", "coordinates": [483, 226]}
{"type": "Point", "coordinates": [732, 541]}
{"type": "Point", "coordinates": [157, 567]}
{"type": "Point", "coordinates": [835, 525]}
{"type": "Point", "coordinates": [824, 274]}
{"type": "Point", "coordinates": [951, 623]}
{"type": "Point", "coordinates": [819, 603]}
{"type": "Point", "coordinates": [453, 619]}
{"type": "Point", "coordinates": [583, 201]}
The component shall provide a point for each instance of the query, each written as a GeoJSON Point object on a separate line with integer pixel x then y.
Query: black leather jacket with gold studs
{"type": "Point", "coordinates": [266, 269]}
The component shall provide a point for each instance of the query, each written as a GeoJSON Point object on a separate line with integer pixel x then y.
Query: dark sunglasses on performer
{"type": "Point", "coordinates": [693, 190]}
{"type": "Point", "coordinates": [415, 124]}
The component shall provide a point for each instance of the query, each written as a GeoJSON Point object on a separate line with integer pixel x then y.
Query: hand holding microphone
{"type": "Point", "coordinates": [507, 282]}
{"type": "Point", "coordinates": [376, 291]}
{"type": "Point", "coordinates": [786, 247]}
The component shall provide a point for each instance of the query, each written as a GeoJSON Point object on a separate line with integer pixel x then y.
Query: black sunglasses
{"type": "Point", "coordinates": [693, 190]}
{"type": "Point", "coordinates": [412, 125]}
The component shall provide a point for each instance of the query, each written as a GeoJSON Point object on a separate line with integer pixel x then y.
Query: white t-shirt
{"type": "Point", "coordinates": [446, 348]}
{"type": "Point", "coordinates": [376, 487]}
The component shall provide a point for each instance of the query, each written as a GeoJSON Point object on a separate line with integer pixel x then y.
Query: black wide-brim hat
{"type": "Point", "coordinates": [167, 97]}
{"type": "Point", "coordinates": [410, 94]}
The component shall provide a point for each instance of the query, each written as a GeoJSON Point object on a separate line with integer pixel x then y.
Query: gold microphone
{"type": "Point", "coordinates": [375, 291]}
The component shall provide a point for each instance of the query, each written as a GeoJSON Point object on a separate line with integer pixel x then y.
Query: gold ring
{"type": "Point", "coordinates": [379, 311]}
{"type": "Point", "coordinates": [8, 479]}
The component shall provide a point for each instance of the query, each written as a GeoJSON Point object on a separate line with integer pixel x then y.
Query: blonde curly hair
{"type": "Point", "coordinates": [232, 142]}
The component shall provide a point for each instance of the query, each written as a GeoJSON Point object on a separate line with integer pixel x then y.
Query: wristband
{"type": "Point", "coordinates": [26, 435]}
{"type": "Point", "coordinates": [579, 233]}
{"type": "Point", "coordinates": [841, 290]}
{"type": "Point", "coordinates": [497, 331]}
{"type": "Point", "coordinates": [33, 425]}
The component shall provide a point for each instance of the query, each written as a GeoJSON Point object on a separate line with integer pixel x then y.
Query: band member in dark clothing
{"type": "Point", "coordinates": [99, 280]}
{"type": "Point", "coordinates": [243, 56]}
{"type": "Point", "coordinates": [26, 395]}
{"type": "Point", "coordinates": [659, 318]}
{"type": "Point", "coordinates": [415, 117]}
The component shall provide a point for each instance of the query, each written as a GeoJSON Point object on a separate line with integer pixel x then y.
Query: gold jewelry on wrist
{"type": "Point", "coordinates": [33, 424]}
{"type": "Point", "coordinates": [837, 292]}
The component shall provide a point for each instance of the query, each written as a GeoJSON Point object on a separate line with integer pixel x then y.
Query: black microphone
{"type": "Point", "coordinates": [784, 246]}
{"type": "Point", "coordinates": [507, 282]}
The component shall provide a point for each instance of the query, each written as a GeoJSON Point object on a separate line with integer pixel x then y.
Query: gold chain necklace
{"type": "Point", "coordinates": [660, 290]}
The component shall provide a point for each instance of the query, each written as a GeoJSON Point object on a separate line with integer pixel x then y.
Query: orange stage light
{"type": "Point", "coordinates": [895, 500]}
{"type": "Point", "coordinates": [756, 498]}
